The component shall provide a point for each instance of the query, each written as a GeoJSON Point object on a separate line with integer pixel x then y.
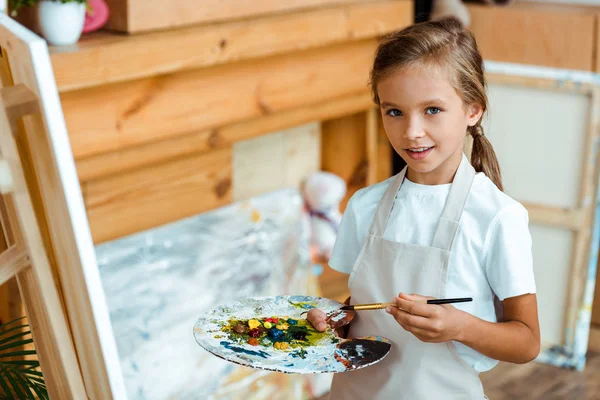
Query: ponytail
{"type": "Point", "coordinates": [483, 157]}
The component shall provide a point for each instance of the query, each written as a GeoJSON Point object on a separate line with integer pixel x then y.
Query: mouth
{"type": "Point", "coordinates": [419, 153]}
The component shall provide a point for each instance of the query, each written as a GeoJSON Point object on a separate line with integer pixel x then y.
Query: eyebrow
{"type": "Point", "coordinates": [431, 101]}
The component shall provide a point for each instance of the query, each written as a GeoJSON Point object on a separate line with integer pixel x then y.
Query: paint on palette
{"type": "Point", "coordinates": [237, 349]}
{"type": "Point", "coordinates": [282, 333]}
{"type": "Point", "coordinates": [360, 352]}
{"type": "Point", "coordinates": [270, 333]}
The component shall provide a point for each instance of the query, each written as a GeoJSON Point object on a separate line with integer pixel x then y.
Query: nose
{"type": "Point", "coordinates": [414, 129]}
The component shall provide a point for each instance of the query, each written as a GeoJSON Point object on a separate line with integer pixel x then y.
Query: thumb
{"type": "Point", "coordinates": [318, 319]}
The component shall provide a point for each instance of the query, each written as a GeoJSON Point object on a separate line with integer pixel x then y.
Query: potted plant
{"type": "Point", "coordinates": [59, 21]}
{"type": "Point", "coordinates": [19, 378]}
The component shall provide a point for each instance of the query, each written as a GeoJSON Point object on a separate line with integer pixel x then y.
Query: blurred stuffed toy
{"type": "Point", "coordinates": [322, 193]}
{"type": "Point", "coordinates": [456, 8]}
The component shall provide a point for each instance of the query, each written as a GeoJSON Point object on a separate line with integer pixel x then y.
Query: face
{"type": "Point", "coordinates": [426, 122]}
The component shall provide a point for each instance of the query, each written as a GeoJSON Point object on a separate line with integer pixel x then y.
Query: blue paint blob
{"type": "Point", "coordinates": [291, 321]}
{"type": "Point", "coordinates": [299, 353]}
{"type": "Point", "coordinates": [245, 351]}
{"type": "Point", "coordinates": [275, 334]}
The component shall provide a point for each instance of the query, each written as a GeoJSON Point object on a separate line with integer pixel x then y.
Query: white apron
{"type": "Point", "coordinates": [413, 370]}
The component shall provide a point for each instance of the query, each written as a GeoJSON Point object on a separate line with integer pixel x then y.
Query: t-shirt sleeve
{"type": "Point", "coordinates": [509, 260]}
{"type": "Point", "coordinates": [347, 244]}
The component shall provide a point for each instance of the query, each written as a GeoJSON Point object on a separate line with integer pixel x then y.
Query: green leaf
{"type": "Point", "coordinates": [38, 380]}
{"type": "Point", "coordinates": [13, 337]}
{"type": "Point", "coordinates": [20, 378]}
{"type": "Point", "coordinates": [40, 390]}
{"type": "Point", "coordinates": [3, 333]}
{"type": "Point", "coordinates": [4, 384]}
{"type": "Point", "coordinates": [25, 384]}
{"type": "Point", "coordinates": [15, 385]}
{"type": "Point", "coordinates": [28, 371]}
{"type": "Point", "coordinates": [18, 353]}
{"type": "Point", "coordinates": [12, 322]}
{"type": "Point", "coordinates": [14, 345]}
{"type": "Point", "coordinates": [32, 363]}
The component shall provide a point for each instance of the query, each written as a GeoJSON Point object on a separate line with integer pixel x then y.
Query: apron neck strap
{"type": "Point", "coordinates": [384, 209]}
{"type": "Point", "coordinates": [455, 203]}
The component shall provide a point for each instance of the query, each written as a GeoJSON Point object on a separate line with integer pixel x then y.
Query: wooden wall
{"type": "Point", "coordinates": [154, 127]}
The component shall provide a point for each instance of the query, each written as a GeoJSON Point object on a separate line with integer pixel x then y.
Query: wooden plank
{"type": "Point", "coordinates": [540, 83]}
{"type": "Point", "coordinates": [156, 195]}
{"type": "Point", "coordinates": [12, 261]}
{"type": "Point", "coordinates": [372, 135]}
{"type": "Point", "coordinates": [134, 16]}
{"type": "Point", "coordinates": [5, 293]}
{"type": "Point", "coordinates": [587, 201]}
{"type": "Point", "coordinates": [275, 161]}
{"type": "Point", "coordinates": [11, 304]}
{"type": "Point", "coordinates": [58, 203]}
{"type": "Point", "coordinates": [554, 216]}
{"type": "Point", "coordinates": [47, 320]}
{"type": "Point", "coordinates": [597, 42]}
{"type": "Point", "coordinates": [385, 150]}
{"type": "Point", "coordinates": [344, 151]}
{"type": "Point", "coordinates": [535, 35]}
{"type": "Point", "coordinates": [112, 117]}
{"type": "Point", "coordinates": [196, 143]}
{"type": "Point", "coordinates": [596, 302]}
{"type": "Point", "coordinates": [594, 341]}
{"type": "Point", "coordinates": [101, 57]}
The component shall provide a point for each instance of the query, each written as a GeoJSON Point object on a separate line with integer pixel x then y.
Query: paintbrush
{"type": "Point", "coordinates": [379, 306]}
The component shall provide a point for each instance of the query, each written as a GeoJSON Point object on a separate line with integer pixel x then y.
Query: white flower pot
{"type": "Point", "coordinates": [60, 23]}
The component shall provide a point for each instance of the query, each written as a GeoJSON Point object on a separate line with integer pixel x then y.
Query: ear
{"type": "Point", "coordinates": [474, 113]}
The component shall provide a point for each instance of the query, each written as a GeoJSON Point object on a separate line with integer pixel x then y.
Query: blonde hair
{"type": "Point", "coordinates": [447, 45]}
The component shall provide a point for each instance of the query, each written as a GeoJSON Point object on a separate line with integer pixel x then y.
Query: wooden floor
{"type": "Point", "coordinates": [535, 381]}
{"type": "Point", "coordinates": [531, 381]}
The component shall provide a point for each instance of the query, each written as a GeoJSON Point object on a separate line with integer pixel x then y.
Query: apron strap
{"type": "Point", "coordinates": [384, 209]}
{"type": "Point", "coordinates": [455, 203]}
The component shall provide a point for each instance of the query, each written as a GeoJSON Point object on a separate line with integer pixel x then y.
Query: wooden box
{"type": "Point", "coordinates": [134, 16]}
{"type": "Point", "coordinates": [537, 34]}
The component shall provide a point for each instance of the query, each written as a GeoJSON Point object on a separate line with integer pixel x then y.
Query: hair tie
{"type": "Point", "coordinates": [476, 131]}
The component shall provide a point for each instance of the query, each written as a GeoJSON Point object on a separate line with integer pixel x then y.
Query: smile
{"type": "Point", "coordinates": [419, 149]}
{"type": "Point", "coordinates": [419, 153]}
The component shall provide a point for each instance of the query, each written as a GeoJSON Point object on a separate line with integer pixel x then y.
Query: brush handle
{"type": "Point", "coordinates": [374, 306]}
{"type": "Point", "coordinates": [379, 306]}
{"type": "Point", "coordinates": [448, 301]}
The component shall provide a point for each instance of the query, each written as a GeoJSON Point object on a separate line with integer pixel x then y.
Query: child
{"type": "Point", "coordinates": [441, 228]}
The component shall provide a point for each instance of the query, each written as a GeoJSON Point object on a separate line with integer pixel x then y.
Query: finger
{"type": "Point", "coordinates": [424, 310]}
{"type": "Point", "coordinates": [408, 320]}
{"type": "Point", "coordinates": [318, 319]}
{"type": "Point", "coordinates": [424, 335]}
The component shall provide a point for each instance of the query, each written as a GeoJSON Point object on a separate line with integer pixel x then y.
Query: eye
{"type": "Point", "coordinates": [394, 112]}
{"type": "Point", "coordinates": [433, 111]}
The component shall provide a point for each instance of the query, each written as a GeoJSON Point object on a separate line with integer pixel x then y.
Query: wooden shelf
{"type": "Point", "coordinates": [102, 58]}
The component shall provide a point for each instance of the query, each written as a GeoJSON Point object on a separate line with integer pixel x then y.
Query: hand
{"type": "Point", "coordinates": [320, 321]}
{"type": "Point", "coordinates": [431, 323]}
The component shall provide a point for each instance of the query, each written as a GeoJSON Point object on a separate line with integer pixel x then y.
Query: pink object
{"type": "Point", "coordinates": [96, 17]}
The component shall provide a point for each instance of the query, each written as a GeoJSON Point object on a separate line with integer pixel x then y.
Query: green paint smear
{"type": "Point", "coordinates": [303, 305]}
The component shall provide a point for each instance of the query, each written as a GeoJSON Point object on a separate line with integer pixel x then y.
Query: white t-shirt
{"type": "Point", "coordinates": [491, 253]}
